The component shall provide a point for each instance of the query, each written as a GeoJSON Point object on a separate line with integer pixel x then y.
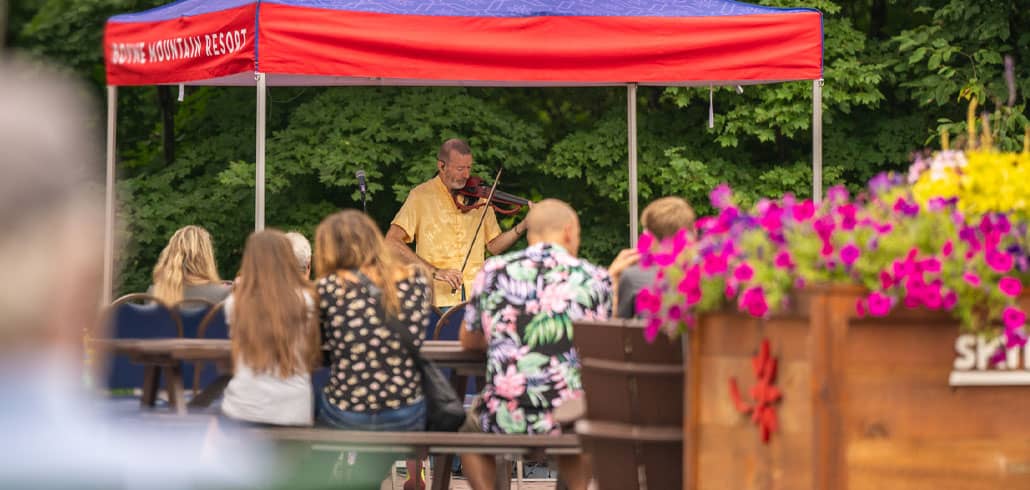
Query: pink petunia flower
{"type": "Point", "coordinates": [721, 196]}
{"type": "Point", "coordinates": [1010, 286]}
{"type": "Point", "coordinates": [654, 325]}
{"type": "Point", "coordinates": [860, 308]}
{"type": "Point", "coordinates": [999, 261]}
{"type": "Point", "coordinates": [949, 300]}
{"type": "Point", "coordinates": [714, 263]}
{"type": "Point", "coordinates": [645, 242]}
{"type": "Point", "coordinates": [803, 211]}
{"type": "Point", "coordinates": [743, 272]}
{"type": "Point", "coordinates": [971, 279]}
{"type": "Point", "coordinates": [783, 260]}
{"type": "Point", "coordinates": [753, 301]}
{"type": "Point", "coordinates": [879, 304]}
{"type": "Point", "coordinates": [947, 248]}
{"type": "Point", "coordinates": [849, 254]}
{"type": "Point", "coordinates": [1012, 318]}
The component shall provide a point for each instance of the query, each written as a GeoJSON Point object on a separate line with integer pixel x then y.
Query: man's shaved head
{"type": "Point", "coordinates": [553, 221]}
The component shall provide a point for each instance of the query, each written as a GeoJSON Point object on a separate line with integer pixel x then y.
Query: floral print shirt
{"type": "Point", "coordinates": [524, 303]}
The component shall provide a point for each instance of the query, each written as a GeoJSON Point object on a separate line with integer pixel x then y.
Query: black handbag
{"type": "Point", "coordinates": [445, 411]}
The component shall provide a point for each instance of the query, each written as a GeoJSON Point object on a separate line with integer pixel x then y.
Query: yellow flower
{"type": "Point", "coordinates": [989, 182]}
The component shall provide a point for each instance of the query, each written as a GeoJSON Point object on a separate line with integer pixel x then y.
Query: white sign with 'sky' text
{"type": "Point", "coordinates": [973, 366]}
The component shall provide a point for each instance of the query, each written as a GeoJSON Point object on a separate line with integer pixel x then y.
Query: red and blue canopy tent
{"type": "Point", "coordinates": [515, 43]}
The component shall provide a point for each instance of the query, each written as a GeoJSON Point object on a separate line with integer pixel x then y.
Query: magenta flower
{"type": "Point", "coordinates": [886, 281]}
{"type": "Point", "coordinates": [803, 211]}
{"type": "Point", "coordinates": [849, 254]}
{"type": "Point", "coordinates": [906, 208]}
{"type": "Point", "coordinates": [675, 312]}
{"type": "Point", "coordinates": [879, 305]}
{"type": "Point", "coordinates": [691, 280]}
{"type": "Point", "coordinates": [783, 260]}
{"type": "Point", "coordinates": [971, 279]}
{"type": "Point", "coordinates": [827, 249]}
{"type": "Point", "coordinates": [1012, 318]}
{"type": "Point", "coordinates": [947, 248]}
{"type": "Point", "coordinates": [654, 325]}
{"type": "Point", "coordinates": [714, 263]}
{"type": "Point", "coordinates": [1002, 224]}
{"type": "Point", "coordinates": [860, 308]}
{"type": "Point", "coordinates": [837, 193]}
{"type": "Point", "coordinates": [1010, 286]}
{"type": "Point", "coordinates": [753, 301]}
{"type": "Point", "coordinates": [743, 272]}
{"type": "Point", "coordinates": [721, 196]}
{"type": "Point", "coordinates": [931, 264]}
{"type": "Point", "coordinates": [693, 296]}
{"type": "Point", "coordinates": [824, 227]}
{"type": "Point", "coordinates": [847, 217]}
{"type": "Point", "coordinates": [771, 220]}
{"type": "Point", "coordinates": [680, 241]}
{"type": "Point", "coordinates": [884, 228]}
{"type": "Point", "coordinates": [999, 261]}
{"type": "Point", "coordinates": [949, 300]}
{"type": "Point", "coordinates": [645, 242]}
{"type": "Point", "coordinates": [648, 301]}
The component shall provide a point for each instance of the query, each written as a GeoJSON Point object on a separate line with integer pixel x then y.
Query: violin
{"type": "Point", "coordinates": [476, 190]}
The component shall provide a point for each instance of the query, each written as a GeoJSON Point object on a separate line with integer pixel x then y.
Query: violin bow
{"type": "Point", "coordinates": [475, 235]}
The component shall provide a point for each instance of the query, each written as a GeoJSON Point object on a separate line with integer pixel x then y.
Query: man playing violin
{"type": "Point", "coordinates": [443, 233]}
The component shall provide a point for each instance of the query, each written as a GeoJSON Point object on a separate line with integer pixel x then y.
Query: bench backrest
{"type": "Point", "coordinates": [627, 379]}
{"type": "Point", "coordinates": [137, 316]}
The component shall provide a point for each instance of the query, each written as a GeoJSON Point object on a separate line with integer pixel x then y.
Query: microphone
{"type": "Point", "coordinates": [360, 174]}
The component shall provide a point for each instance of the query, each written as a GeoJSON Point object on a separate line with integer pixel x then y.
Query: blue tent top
{"type": "Point", "coordinates": [479, 8]}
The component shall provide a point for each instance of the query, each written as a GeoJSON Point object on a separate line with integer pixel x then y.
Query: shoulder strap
{"type": "Point", "coordinates": [406, 338]}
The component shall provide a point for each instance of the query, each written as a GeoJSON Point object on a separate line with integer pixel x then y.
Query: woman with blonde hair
{"type": "Point", "coordinates": [274, 332]}
{"type": "Point", "coordinates": [374, 313]}
{"type": "Point", "coordinates": [186, 269]}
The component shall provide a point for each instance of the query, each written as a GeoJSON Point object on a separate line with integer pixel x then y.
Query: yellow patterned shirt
{"type": "Point", "coordinates": [442, 234]}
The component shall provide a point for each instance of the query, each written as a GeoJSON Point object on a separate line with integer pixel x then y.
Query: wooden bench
{"type": "Point", "coordinates": [423, 444]}
{"type": "Point", "coordinates": [168, 355]}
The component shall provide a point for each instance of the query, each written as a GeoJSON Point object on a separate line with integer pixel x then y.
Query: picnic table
{"type": "Point", "coordinates": [168, 355]}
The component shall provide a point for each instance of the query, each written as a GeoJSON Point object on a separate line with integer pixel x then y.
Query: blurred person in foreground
{"type": "Point", "coordinates": [521, 313]}
{"type": "Point", "coordinates": [50, 256]}
{"type": "Point", "coordinates": [186, 269]}
{"type": "Point", "coordinates": [274, 332]}
{"type": "Point", "coordinates": [663, 218]}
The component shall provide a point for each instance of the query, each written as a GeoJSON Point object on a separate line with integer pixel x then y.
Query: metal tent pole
{"type": "Point", "coordinates": [112, 135]}
{"type": "Point", "coordinates": [631, 122]}
{"type": "Point", "coordinates": [259, 179]}
{"type": "Point", "coordinates": [817, 140]}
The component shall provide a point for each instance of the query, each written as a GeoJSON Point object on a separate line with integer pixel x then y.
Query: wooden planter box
{"type": "Point", "coordinates": [866, 405]}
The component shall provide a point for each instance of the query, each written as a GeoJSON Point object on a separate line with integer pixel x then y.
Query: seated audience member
{"type": "Point", "coordinates": [55, 434]}
{"type": "Point", "coordinates": [365, 297]}
{"type": "Point", "coordinates": [274, 334]}
{"type": "Point", "coordinates": [520, 313]}
{"type": "Point", "coordinates": [301, 250]}
{"type": "Point", "coordinates": [662, 218]}
{"type": "Point", "coordinates": [186, 269]}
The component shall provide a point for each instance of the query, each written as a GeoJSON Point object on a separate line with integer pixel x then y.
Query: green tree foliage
{"type": "Point", "coordinates": [896, 71]}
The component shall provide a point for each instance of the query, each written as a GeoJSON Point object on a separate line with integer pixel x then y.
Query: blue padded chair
{"type": "Point", "coordinates": [212, 326]}
{"type": "Point", "coordinates": [448, 325]}
{"type": "Point", "coordinates": [191, 313]}
{"type": "Point", "coordinates": [137, 316]}
{"type": "Point", "coordinates": [447, 328]}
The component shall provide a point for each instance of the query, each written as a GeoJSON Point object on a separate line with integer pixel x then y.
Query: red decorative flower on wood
{"type": "Point", "coordinates": [763, 394]}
